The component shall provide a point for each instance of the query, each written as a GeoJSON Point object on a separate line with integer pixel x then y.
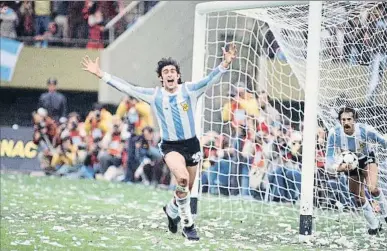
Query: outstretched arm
{"type": "Point", "coordinates": [200, 87]}
{"type": "Point", "coordinates": [145, 94]}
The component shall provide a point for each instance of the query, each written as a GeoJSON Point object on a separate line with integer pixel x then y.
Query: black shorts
{"type": "Point", "coordinates": [188, 148]}
{"type": "Point", "coordinates": [363, 162]}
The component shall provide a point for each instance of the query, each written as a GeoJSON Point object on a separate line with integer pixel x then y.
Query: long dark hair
{"type": "Point", "coordinates": [165, 62]}
{"type": "Point", "coordinates": [348, 110]}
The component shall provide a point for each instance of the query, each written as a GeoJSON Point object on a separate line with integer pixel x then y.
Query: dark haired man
{"type": "Point", "coordinates": [356, 138]}
{"type": "Point", "coordinates": [174, 105]}
{"type": "Point", "coordinates": [167, 63]}
{"type": "Point", "coordinates": [53, 101]}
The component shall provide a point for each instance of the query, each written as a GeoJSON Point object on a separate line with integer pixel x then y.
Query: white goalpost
{"type": "Point", "coordinates": [310, 58]}
{"type": "Point", "coordinates": [310, 115]}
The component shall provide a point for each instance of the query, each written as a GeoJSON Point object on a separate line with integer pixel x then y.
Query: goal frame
{"type": "Point", "coordinates": [311, 95]}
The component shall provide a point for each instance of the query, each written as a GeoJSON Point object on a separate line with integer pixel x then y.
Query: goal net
{"type": "Point", "coordinates": [253, 119]}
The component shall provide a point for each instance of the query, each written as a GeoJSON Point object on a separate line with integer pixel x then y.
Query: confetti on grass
{"type": "Point", "coordinates": [51, 213]}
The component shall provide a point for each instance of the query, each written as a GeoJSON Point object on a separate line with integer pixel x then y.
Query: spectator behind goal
{"type": "Point", "coordinates": [8, 20]}
{"type": "Point", "coordinates": [138, 114]}
{"type": "Point", "coordinates": [54, 102]}
{"type": "Point", "coordinates": [45, 137]}
{"type": "Point", "coordinates": [112, 153]}
{"type": "Point", "coordinates": [98, 119]}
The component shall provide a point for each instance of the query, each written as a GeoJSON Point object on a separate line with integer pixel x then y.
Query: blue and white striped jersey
{"type": "Point", "coordinates": [174, 111]}
{"type": "Point", "coordinates": [359, 143]}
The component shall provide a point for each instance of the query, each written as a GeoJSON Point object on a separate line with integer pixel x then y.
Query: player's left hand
{"type": "Point", "coordinates": [229, 55]}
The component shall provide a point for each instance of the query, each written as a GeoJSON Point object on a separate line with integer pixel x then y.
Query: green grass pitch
{"type": "Point", "coordinates": [61, 214]}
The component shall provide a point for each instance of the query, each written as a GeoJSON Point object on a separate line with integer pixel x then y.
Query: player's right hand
{"type": "Point", "coordinates": [92, 66]}
{"type": "Point", "coordinates": [344, 167]}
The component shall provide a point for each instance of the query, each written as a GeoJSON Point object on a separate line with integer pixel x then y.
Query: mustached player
{"type": "Point", "coordinates": [356, 138]}
{"type": "Point", "coordinates": [174, 105]}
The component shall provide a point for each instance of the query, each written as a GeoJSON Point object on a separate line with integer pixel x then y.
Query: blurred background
{"type": "Point", "coordinates": [58, 120]}
{"type": "Point", "coordinates": [55, 116]}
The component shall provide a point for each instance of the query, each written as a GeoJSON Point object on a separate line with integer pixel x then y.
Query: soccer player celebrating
{"type": "Point", "coordinates": [356, 138]}
{"type": "Point", "coordinates": [174, 105]}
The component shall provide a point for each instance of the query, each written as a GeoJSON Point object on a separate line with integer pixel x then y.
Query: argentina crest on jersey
{"type": "Point", "coordinates": [362, 146]}
{"type": "Point", "coordinates": [184, 105]}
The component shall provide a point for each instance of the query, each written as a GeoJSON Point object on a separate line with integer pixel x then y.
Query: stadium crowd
{"type": "Point", "coordinates": [120, 146]}
{"type": "Point", "coordinates": [355, 40]}
{"type": "Point", "coordinates": [262, 156]}
{"type": "Point", "coordinates": [82, 23]}
{"type": "Point", "coordinates": [65, 23]}
{"type": "Point", "coordinates": [259, 157]}
{"type": "Point", "coordinates": [358, 40]}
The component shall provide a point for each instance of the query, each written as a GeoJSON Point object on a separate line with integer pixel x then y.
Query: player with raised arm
{"type": "Point", "coordinates": [356, 138]}
{"type": "Point", "coordinates": [174, 105]}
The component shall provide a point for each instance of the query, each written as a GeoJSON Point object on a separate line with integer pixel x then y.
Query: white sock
{"type": "Point", "coordinates": [185, 210]}
{"type": "Point", "coordinates": [382, 202]}
{"type": "Point", "coordinates": [369, 215]}
{"type": "Point", "coordinates": [172, 209]}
